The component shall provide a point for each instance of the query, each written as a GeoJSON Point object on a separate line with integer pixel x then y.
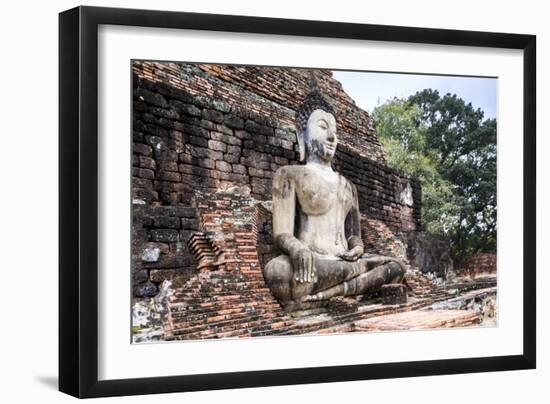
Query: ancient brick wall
{"type": "Point", "coordinates": [159, 246]}
{"type": "Point", "coordinates": [269, 92]}
{"type": "Point", "coordinates": [384, 193]}
{"type": "Point", "coordinates": [206, 128]}
{"type": "Point", "coordinates": [478, 264]}
{"type": "Point", "coordinates": [228, 296]}
{"type": "Point", "coordinates": [430, 253]}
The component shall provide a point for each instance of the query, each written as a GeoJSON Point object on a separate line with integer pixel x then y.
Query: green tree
{"type": "Point", "coordinates": [405, 143]}
{"type": "Point", "coordinates": [447, 145]}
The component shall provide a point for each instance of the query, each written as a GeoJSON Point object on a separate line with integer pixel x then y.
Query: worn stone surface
{"type": "Point", "coordinates": [149, 315]}
{"type": "Point", "coordinates": [150, 254]}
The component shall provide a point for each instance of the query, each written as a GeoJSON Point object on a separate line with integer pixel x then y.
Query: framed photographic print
{"type": "Point", "coordinates": [251, 201]}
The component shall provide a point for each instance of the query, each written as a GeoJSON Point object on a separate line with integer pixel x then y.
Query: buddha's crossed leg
{"type": "Point", "coordinates": [332, 277]}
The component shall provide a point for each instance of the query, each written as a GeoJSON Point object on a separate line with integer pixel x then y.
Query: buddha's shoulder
{"type": "Point", "coordinates": [292, 172]}
{"type": "Point", "coordinates": [349, 186]}
{"type": "Point", "coordinates": [347, 183]}
{"type": "Point", "coordinates": [301, 172]}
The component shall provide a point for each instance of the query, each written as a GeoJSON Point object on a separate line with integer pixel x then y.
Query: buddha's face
{"type": "Point", "coordinates": [320, 135]}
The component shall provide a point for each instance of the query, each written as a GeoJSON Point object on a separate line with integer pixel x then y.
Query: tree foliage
{"type": "Point", "coordinates": [451, 149]}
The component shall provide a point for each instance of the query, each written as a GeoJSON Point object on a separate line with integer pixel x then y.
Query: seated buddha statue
{"type": "Point", "coordinates": [316, 222]}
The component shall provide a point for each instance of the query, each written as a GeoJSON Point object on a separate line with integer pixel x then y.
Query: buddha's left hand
{"type": "Point", "coordinates": [352, 255]}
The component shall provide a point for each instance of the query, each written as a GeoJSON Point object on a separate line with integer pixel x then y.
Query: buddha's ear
{"type": "Point", "coordinates": [301, 146]}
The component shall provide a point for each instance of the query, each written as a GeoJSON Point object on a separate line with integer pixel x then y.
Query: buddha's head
{"type": "Point", "coordinates": [320, 135]}
{"type": "Point", "coordinates": [316, 127]}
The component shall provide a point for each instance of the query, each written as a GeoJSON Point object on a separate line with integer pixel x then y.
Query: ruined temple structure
{"type": "Point", "coordinates": [478, 265]}
{"type": "Point", "coordinates": [207, 140]}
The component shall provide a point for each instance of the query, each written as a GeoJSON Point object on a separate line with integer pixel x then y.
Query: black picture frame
{"type": "Point", "coordinates": [78, 201]}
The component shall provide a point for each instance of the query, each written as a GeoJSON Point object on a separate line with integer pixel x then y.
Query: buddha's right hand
{"type": "Point", "coordinates": [303, 264]}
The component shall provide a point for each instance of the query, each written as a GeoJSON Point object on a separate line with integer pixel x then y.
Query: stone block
{"type": "Point", "coordinates": [198, 141]}
{"type": "Point", "coordinates": [150, 97]}
{"type": "Point", "coordinates": [167, 164]}
{"type": "Point", "coordinates": [393, 293]}
{"type": "Point", "coordinates": [260, 186]}
{"type": "Point", "coordinates": [217, 145]}
{"type": "Point", "coordinates": [224, 130]}
{"type": "Point", "coordinates": [239, 169]}
{"type": "Point", "coordinates": [164, 235]}
{"type": "Point", "coordinates": [143, 173]}
{"type": "Point", "coordinates": [252, 127]}
{"type": "Point", "coordinates": [143, 195]}
{"type": "Point", "coordinates": [287, 144]}
{"type": "Point", "coordinates": [234, 150]}
{"type": "Point", "coordinates": [178, 136]}
{"type": "Point", "coordinates": [190, 120]}
{"type": "Point", "coordinates": [207, 124]}
{"type": "Point", "coordinates": [147, 162]}
{"type": "Point", "coordinates": [150, 254]}
{"type": "Point", "coordinates": [166, 222]}
{"type": "Point", "coordinates": [233, 121]}
{"type": "Point", "coordinates": [231, 158]}
{"type": "Point", "coordinates": [255, 172]}
{"type": "Point", "coordinates": [183, 108]}
{"type": "Point", "coordinates": [196, 131]}
{"type": "Point", "coordinates": [223, 166]}
{"type": "Point", "coordinates": [169, 176]}
{"type": "Point", "coordinates": [175, 211]}
{"type": "Point", "coordinates": [221, 106]}
{"type": "Point", "coordinates": [166, 113]}
{"type": "Point", "coordinates": [142, 149]}
{"type": "Point", "coordinates": [281, 161]}
{"type": "Point", "coordinates": [142, 183]}
{"type": "Point", "coordinates": [207, 163]}
{"type": "Point", "coordinates": [221, 137]}
{"type": "Point", "coordinates": [243, 135]}
{"type": "Point", "coordinates": [147, 289]}
{"type": "Point", "coordinates": [212, 115]}
{"type": "Point", "coordinates": [160, 275]}
{"type": "Point", "coordinates": [285, 134]}
{"type": "Point", "coordinates": [215, 155]}
{"type": "Point", "coordinates": [140, 276]}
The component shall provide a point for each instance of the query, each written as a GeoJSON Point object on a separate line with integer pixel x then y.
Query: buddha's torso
{"type": "Point", "coordinates": [324, 199]}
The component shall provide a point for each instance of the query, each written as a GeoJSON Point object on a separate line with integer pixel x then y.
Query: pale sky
{"type": "Point", "coordinates": [371, 89]}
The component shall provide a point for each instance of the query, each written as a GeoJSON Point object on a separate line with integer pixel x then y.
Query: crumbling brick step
{"type": "Point", "coordinates": [419, 320]}
{"type": "Point", "coordinates": [467, 286]}
{"type": "Point", "coordinates": [223, 288]}
{"type": "Point", "coordinates": [221, 322]}
{"type": "Point", "coordinates": [241, 312]}
{"type": "Point", "coordinates": [214, 317]}
{"type": "Point", "coordinates": [204, 307]}
{"type": "Point", "coordinates": [316, 323]}
{"type": "Point", "coordinates": [244, 326]}
{"type": "Point", "coordinates": [422, 305]}
{"type": "Point", "coordinates": [260, 323]}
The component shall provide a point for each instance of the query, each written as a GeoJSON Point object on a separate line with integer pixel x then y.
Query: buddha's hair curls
{"type": "Point", "coordinates": [314, 100]}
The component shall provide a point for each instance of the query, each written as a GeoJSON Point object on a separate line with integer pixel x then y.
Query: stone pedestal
{"type": "Point", "coordinates": [393, 293]}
